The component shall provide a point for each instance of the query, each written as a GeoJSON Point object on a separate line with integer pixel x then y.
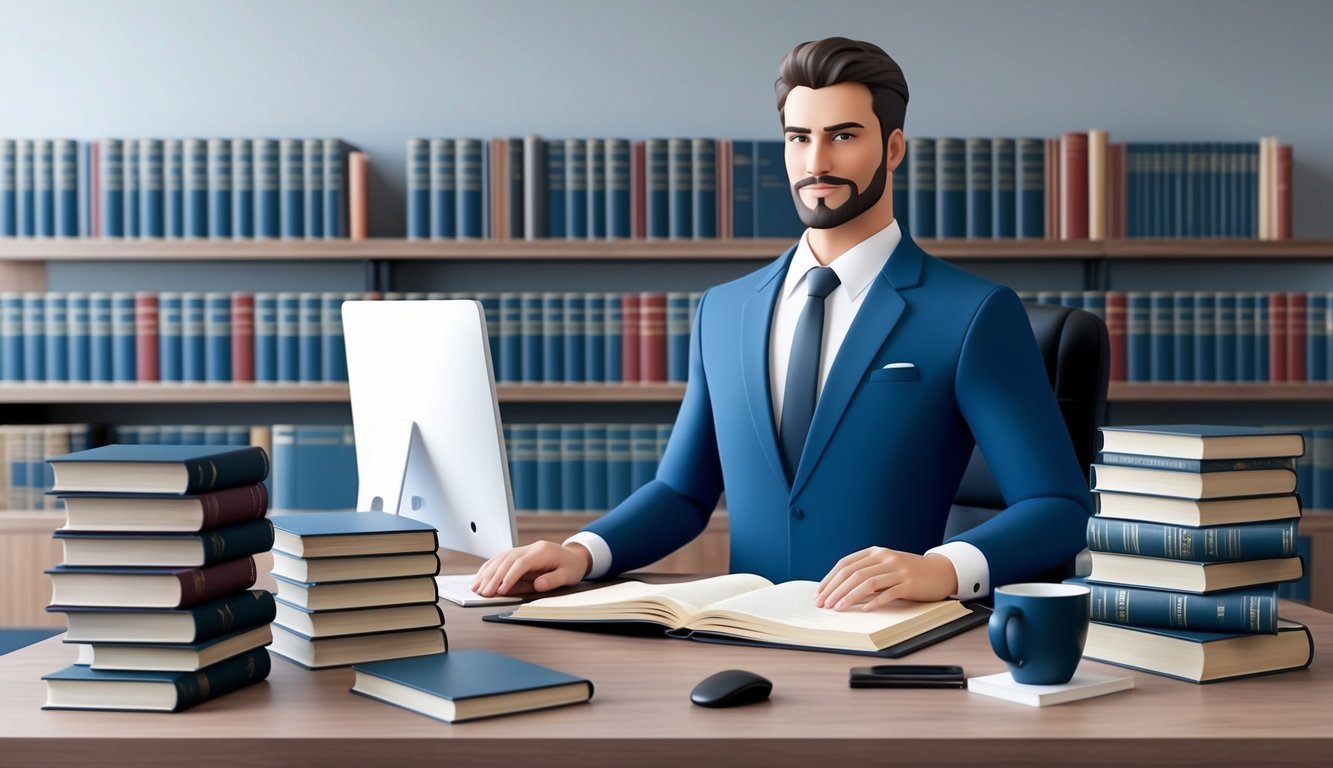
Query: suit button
{"type": "Point", "coordinates": [797, 513]}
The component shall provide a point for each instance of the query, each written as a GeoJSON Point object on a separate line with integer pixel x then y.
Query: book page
{"type": "Point", "coordinates": [612, 602]}
{"type": "Point", "coordinates": [793, 603]}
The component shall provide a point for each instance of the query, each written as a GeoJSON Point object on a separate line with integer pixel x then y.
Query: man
{"type": "Point", "coordinates": [842, 415]}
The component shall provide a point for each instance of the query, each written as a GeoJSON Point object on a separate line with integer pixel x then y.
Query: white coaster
{"type": "Point", "coordinates": [1084, 685]}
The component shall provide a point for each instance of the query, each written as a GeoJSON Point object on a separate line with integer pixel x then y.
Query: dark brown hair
{"type": "Point", "coordinates": [833, 60]}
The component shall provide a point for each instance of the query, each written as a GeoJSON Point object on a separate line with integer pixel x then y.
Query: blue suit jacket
{"type": "Point", "coordinates": [887, 447]}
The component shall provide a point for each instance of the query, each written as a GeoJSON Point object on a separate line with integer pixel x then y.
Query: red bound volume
{"type": "Point", "coordinates": [629, 337]}
{"type": "Point", "coordinates": [199, 585]}
{"type": "Point", "coordinates": [1074, 186]}
{"type": "Point", "coordinates": [145, 336]}
{"type": "Point", "coordinates": [652, 336]}
{"type": "Point", "coordinates": [1283, 193]}
{"type": "Point", "coordinates": [1277, 336]}
{"type": "Point", "coordinates": [242, 336]}
{"type": "Point", "coordinates": [1295, 336]}
{"type": "Point", "coordinates": [1115, 328]}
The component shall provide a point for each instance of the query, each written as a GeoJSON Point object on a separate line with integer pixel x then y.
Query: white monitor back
{"type": "Point", "coordinates": [429, 443]}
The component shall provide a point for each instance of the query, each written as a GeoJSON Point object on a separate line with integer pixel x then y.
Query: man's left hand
{"type": "Point", "coordinates": [891, 574]}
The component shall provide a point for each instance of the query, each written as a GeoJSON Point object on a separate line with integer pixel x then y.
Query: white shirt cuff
{"type": "Point", "coordinates": [601, 553]}
{"type": "Point", "coordinates": [971, 567]}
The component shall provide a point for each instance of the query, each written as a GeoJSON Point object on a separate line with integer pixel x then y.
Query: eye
{"type": "Point", "coordinates": [798, 138]}
{"type": "Point", "coordinates": [843, 136]}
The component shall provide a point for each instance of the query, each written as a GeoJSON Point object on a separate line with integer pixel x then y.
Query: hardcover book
{"type": "Point", "coordinates": [148, 587]}
{"type": "Point", "coordinates": [1197, 512]}
{"type": "Point", "coordinates": [354, 649]}
{"type": "Point", "coordinates": [328, 569]}
{"type": "Point", "coordinates": [205, 621]}
{"type": "Point", "coordinates": [163, 550]}
{"type": "Point", "coordinates": [357, 594]}
{"type": "Point", "coordinates": [1201, 657]}
{"type": "Point", "coordinates": [468, 684]}
{"type": "Point", "coordinates": [167, 469]}
{"type": "Point", "coordinates": [1240, 610]}
{"type": "Point", "coordinates": [81, 687]}
{"type": "Point", "coordinates": [191, 657]}
{"type": "Point", "coordinates": [357, 621]}
{"type": "Point", "coordinates": [164, 514]}
{"type": "Point", "coordinates": [1160, 573]}
{"type": "Point", "coordinates": [749, 609]}
{"type": "Point", "coordinates": [1202, 441]}
{"type": "Point", "coordinates": [1193, 485]}
{"type": "Point", "coordinates": [341, 534]}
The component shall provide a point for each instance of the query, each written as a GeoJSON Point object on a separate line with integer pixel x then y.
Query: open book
{"type": "Point", "coordinates": [745, 608]}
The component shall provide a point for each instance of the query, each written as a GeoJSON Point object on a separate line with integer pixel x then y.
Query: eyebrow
{"type": "Point", "coordinates": [827, 128]}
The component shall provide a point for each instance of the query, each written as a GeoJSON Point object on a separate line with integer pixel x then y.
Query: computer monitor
{"type": "Point", "coordinates": [429, 444]}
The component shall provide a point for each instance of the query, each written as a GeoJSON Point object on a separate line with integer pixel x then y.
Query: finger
{"type": "Point", "coordinates": [841, 564]}
{"type": "Point", "coordinates": [838, 599]}
{"type": "Point", "coordinates": [840, 576]}
{"type": "Point", "coordinates": [866, 588]}
{"type": "Point", "coordinates": [560, 577]}
{"type": "Point", "coordinates": [498, 572]}
{"type": "Point", "coordinates": [529, 565]}
{"type": "Point", "coordinates": [884, 598]}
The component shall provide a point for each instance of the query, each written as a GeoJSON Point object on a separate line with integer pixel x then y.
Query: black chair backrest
{"type": "Point", "coordinates": [1077, 351]}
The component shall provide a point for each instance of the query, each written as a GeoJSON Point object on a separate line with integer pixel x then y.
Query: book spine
{"type": "Point", "coordinates": [291, 187]}
{"type": "Point", "coordinates": [219, 189]}
{"type": "Point", "coordinates": [1195, 465]}
{"type": "Point", "coordinates": [310, 331]}
{"type": "Point", "coordinates": [1240, 611]}
{"type": "Point", "coordinates": [614, 346]}
{"type": "Point", "coordinates": [1296, 331]}
{"type": "Point", "coordinates": [619, 200]}
{"type": "Point", "coordinates": [226, 471]}
{"type": "Point", "coordinates": [629, 337]}
{"type": "Point", "coordinates": [921, 166]}
{"type": "Point", "coordinates": [111, 176]}
{"type": "Point", "coordinates": [418, 189]}
{"type": "Point", "coordinates": [217, 337]}
{"type": "Point", "coordinates": [314, 467]}
{"type": "Point", "coordinates": [1138, 339]}
{"type": "Point", "coordinates": [194, 170]}
{"type": "Point", "coordinates": [194, 349]}
{"type": "Point", "coordinates": [11, 337]}
{"type": "Point", "coordinates": [680, 180]}
{"type": "Point", "coordinates": [573, 498]}
{"type": "Point", "coordinates": [1245, 337]}
{"type": "Point", "coordinates": [99, 336]}
{"type": "Point", "coordinates": [80, 364]}
{"type": "Point", "coordinates": [1316, 337]}
{"type": "Point", "coordinates": [1224, 336]}
{"type": "Point", "coordinates": [548, 468]}
{"type": "Point", "coordinates": [312, 163]}
{"type": "Point", "coordinates": [742, 190]}
{"type": "Point", "coordinates": [233, 613]}
{"type": "Point", "coordinates": [703, 187]}
{"type": "Point", "coordinates": [333, 354]}
{"type": "Point", "coordinates": [146, 360]}
{"type": "Point", "coordinates": [775, 214]}
{"type": "Point", "coordinates": [130, 182]}
{"type": "Point", "coordinates": [335, 189]}
{"type": "Point", "coordinates": [242, 189]}
{"type": "Point", "coordinates": [124, 366]}
{"type": "Point", "coordinates": [65, 180]}
{"type": "Point", "coordinates": [55, 334]}
{"type": "Point", "coordinates": [232, 506]}
{"type": "Point", "coordinates": [594, 337]}
{"type": "Point", "coordinates": [980, 188]}
{"type": "Point", "coordinates": [268, 189]}
{"type": "Point", "coordinates": [8, 188]}
{"type": "Point", "coordinates": [241, 540]}
{"type": "Point", "coordinates": [677, 330]}
{"type": "Point", "coordinates": [576, 189]}
{"type": "Point", "coordinates": [1074, 186]}
{"type": "Point", "coordinates": [148, 186]}
{"type": "Point", "coordinates": [1004, 211]}
{"type": "Point", "coordinates": [288, 337]}
{"type": "Point", "coordinates": [534, 186]}
{"type": "Point", "coordinates": [531, 345]}
{"type": "Point", "coordinates": [523, 457]}
{"type": "Point", "coordinates": [443, 221]}
{"type": "Point", "coordinates": [652, 336]}
{"type": "Point", "coordinates": [222, 678]}
{"type": "Point", "coordinates": [555, 188]}
{"type": "Point", "coordinates": [1205, 348]}
{"type": "Point", "coordinates": [242, 336]}
{"type": "Point", "coordinates": [266, 337]}
{"type": "Point", "coordinates": [595, 156]}
{"type": "Point", "coordinates": [951, 178]}
{"type": "Point", "coordinates": [169, 351]}
{"type": "Point", "coordinates": [553, 337]}
{"type": "Point", "coordinates": [657, 188]}
{"type": "Point", "coordinates": [1214, 544]}
{"type": "Point", "coordinates": [594, 468]}
{"type": "Point", "coordinates": [510, 367]}
{"type": "Point", "coordinates": [1183, 309]}
{"type": "Point", "coordinates": [203, 584]}
{"type": "Point", "coordinates": [471, 207]}
{"type": "Point", "coordinates": [173, 189]}
{"type": "Point", "coordinates": [572, 339]}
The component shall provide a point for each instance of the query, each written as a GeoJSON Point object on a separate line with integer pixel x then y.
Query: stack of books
{"type": "Point", "coordinates": [1195, 527]}
{"type": "Point", "coordinates": [355, 587]}
{"type": "Point", "coordinates": [159, 544]}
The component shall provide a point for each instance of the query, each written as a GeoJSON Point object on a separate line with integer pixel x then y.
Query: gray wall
{"type": "Point", "coordinates": [376, 73]}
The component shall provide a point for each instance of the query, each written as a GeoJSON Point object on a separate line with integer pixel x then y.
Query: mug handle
{"type": "Point", "coordinates": [998, 628]}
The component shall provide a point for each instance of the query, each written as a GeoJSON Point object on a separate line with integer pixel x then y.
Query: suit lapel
{"type": "Point", "coordinates": [756, 322]}
{"type": "Point", "coordinates": [878, 316]}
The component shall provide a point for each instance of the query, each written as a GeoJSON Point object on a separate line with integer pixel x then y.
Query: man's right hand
{"type": "Point", "coordinates": [537, 567]}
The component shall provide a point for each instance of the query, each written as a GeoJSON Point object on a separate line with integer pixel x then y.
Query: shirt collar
{"type": "Point", "coordinates": [856, 268]}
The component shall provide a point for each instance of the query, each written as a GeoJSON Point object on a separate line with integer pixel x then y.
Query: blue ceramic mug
{"type": "Point", "coordinates": [1039, 630]}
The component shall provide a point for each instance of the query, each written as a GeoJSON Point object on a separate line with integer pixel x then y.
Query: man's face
{"type": "Point", "coordinates": [836, 161]}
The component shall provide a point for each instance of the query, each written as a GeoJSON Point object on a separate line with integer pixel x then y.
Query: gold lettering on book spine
{"type": "Point", "coordinates": [196, 581]}
{"type": "Point", "coordinates": [228, 618]}
{"type": "Point", "coordinates": [211, 510]}
{"type": "Point", "coordinates": [218, 545]}
{"type": "Point", "coordinates": [201, 680]}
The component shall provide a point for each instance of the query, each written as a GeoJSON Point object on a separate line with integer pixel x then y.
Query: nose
{"type": "Point", "coordinates": [817, 158]}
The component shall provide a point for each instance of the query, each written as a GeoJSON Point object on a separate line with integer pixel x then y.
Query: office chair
{"type": "Point", "coordinates": [1076, 349]}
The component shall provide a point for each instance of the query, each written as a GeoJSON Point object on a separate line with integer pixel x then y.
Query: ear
{"type": "Point", "coordinates": [896, 149]}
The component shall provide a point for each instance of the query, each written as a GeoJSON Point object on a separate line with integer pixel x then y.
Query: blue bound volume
{"type": "Point", "coordinates": [111, 174]}
{"type": "Point", "coordinates": [594, 337]}
{"type": "Point", "coordinates": [575, 343]}
{"type": "Point", "coordinates": [335, 189]}
{"type": "Point", "coordinates": [288, 337]}
{"type": "Point", "coordinates": [1246, 337]}
{"type": "Point", "coordinates": [1213, 544]}
{"type": "Point", "coordinates": [553, 337]}
{"type": "Point", "coordinates": [99, 336]}
{"type": "Point", "coordinates": [612, 337]}
{"type": "Point", "coordinates": [680, 186]}
{"type": "Point", "coordinates": [1183, 335]}
{"type": "Point", "coordinates": [334, 352]}
{"type": "Point", "coordinates": [314, 467]}
{"type": "Point", "coordinates": [775, 213]}
{"type": "Point", "coordinates": [312, 160]}
{"type": "Point", "coordinates": [310, 330]}
{"type": "Point", "coordinates": [34, 336]}
{"type": "Point", "coordinates": [1205, 349]}
{"type": "Point", "coordinates": [531, 337]}
{"type": "Point", "coordinates": [1242, 610]}
{"type": "Point", "coordinates": [742, 189]}
{"type": "Point", "coordinates": [980, 188]}
{"type": "Point", "coordinates": [131, 184]}
{"type": "Point", "coordinates": [443, 191]}
{"type": "Point", "coordinates": [1224, 339]}
{"type": "Point", "coordinates": [65, 177]}
{"type": "Point", "coordinates": [268, 205]}
{"type": "Point", "coordinates": [217, 337]}
{"type": "Point", "coordinates": [1161, 332]}
{"type": "Point", "coordinates": [173, 189]}
{"type": "Point", "coordinates": [266, 337]}
{"type": "Point", "coordinates": [576, 189]}
{"type": "Point", "coordinates": [703, 184]}
{"type": "Point", "coordinates": [510, 365]}
{"type": "Point", "coordinates": [152, 206]}
{"type": "Point", "coordinates": [8, 188]}
{"type": "Point", "coordinates": [678, 335]}
{"type": "Point", "coordinates": [11, 336]}
{"type": "Point", "coordinates": [418, 189]}
{"type": "Point", "coordinates": [618, 196]}
{"type": "Point", "coordinates": [1138, 340]}
{"type": "Point", "coordinates": [921, 181]}
{"type": "Point", "coordinates": [595, 155]}
{"type": "Point", "coordinates": [194, 353]}
{"type": "Point", "coordinates": [549, 493]}
{"type": "Point", "coordinates": [57, 336]}
{"type": "Point", "coordinates": [657, 191]}
{"type": "Point", "coordinates": [124, 366]}
{"type": "Point", "coordinates": [1004, 209]}
{"type": "Point", "coordinates": [291, 186]}
{"type": "Point", "coordinates": [202, 468]}
{"type": "Point", "coordinates": [242, 189]}
{"type": "Point", "coordinates": [190, 688]}
{"type": "Point", "coordinates": [471, 205]}
{"type": "Point", "coordinates": [951, 178]}
{"type": "Point", "coordinates": [555, 188]}
{"type": "Point", "coordinates": [523, 460]}
{"type": "Point", "coordinates": [195, 172]}
{"type": "Point", "coordinates": [572, 461]}
{"type": "Point", "coordinates": [594, 468]}
{"type": "Point", "coordinates": [80, 313]}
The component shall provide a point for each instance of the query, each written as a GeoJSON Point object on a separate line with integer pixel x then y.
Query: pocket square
{"type": "Point", "coordinates": [899, 365]}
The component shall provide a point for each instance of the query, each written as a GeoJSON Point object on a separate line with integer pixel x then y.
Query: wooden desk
{"type": "Point", "coordinates": [641, 715]}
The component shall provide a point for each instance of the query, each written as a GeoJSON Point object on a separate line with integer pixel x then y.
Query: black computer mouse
{"type": "Point", "coordinates": [731, 688]}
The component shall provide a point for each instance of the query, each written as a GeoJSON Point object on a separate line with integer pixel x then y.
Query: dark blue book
{"type": "Point", "coordinates": [1182, 336]}
{"type": "Point", "coordinates": [151, 189]}
{"type": "Point", "coordinates": [1247, 336]}
{"type": "Point", "coordinates": [343, 534]}
{"type": "Point", "coordinates": [219, 189]}
{"type": "Point", "coordinates": [951, 178]}
{"type": "Point", "coordinates": [703, 186]}
{"type": "Point", "coordinates": [576, 189]}
{"type": "Point", "coordinates": [235, 612]}
{"type": "Point", "coordinates": [657, 191]}
{"type": "Point", "coordinates": [595, 156]}
{"type": "Point", "coordinates": [57, 336]}
{"type": "Point", "coordinates": [173, 188]}
{"type": "Point", "coordinates": [1224, 337]}
{"type": "Point", "coordinates": [1213, 544]}
{"type": "Point", "coordinates": [1196, 465]}
{"type": "Point", "coordinates": [509, 366]}
{"type": "Point", "coordinates": [468, 684]}
{"type": "Point", "coordinates": [1004, 207]}
{"type": "Point", "coordinates": [1241, 610]}
{"type": "Point", "coordinates": [680, 188]}
{"type": "Point", "coordinates": [194, 170]}
{"type": "Point", "coordinates": [217, 337]}
{"type": "Point", "coordinates": [194, 345]}
{"type": "Point", "coordinates": [574, 342]}
{"type": "Point", "coordinates": [312, 165]}
{"type": "Point", "coordinates": [131, 184]}
{"type": "Point", "coordinates": [333, 353]}
{"type": "Point", "coordinates": [1201, 657]}
{"type": "Point", "coordinates": [418, 189]}
{"type": "Point", "coordinates": [314, 467]}
{"type": "Point", "coordinates": [1161, 334]}
{"type": "Point", "coordinates": [163, 550]}
{"type": "Point", "coordinates": [619, 464]}
{"type": "Point", "coordinates": [289, 337]}
{"type": "Point", "coordinates": [268, 187]}
{"type": "Point", "coordinates": [99, 336]}
{"type": "Point", "coordinates": [79, 687]}
{"type": "Point", "coordinates": [34, 336]}
{"type": "Point", "coordinates": [619, 216]}
{"type": "Point", "coordinates": [549, 494]}
{"type": "Point", "coordinates": [1138, 339]}
{"type": "Point", "coordinates": [572, 492]}
{"type": "Point", "coordinates": [242, 189]}
{"type": "Point", "coordinates": [310, 330]}
{"type": "Point", "coordinates": [523, 463]}
{"type": "Point", "coordinates": [111, 180]}
{"type": "Point", "coordinates": [291, 188]}
{"type": "Point", "coordinates": [678, 335]}
{"type": "Point", "coordinates": [614, 351]}
{"type": "Point", "coordinates": [1205, 324]}
{"type": "Point", "coordinates": [980, 188]}
{"type": "Point", "coordinates": [65, 178]}
{"type": "Point", "coordinates": [11, 336]}
{"type": "Point", "coordinates": [124, 361]}
{"type": "Point", "coordinates": [742, 189]}
{"type": "Point", "coordinates": [80, 313]}
{"type": "Point", "coordinates": [531, 338]}
{"type": "Point", "coordinates": [8, 188]}
{"type": "Point", "coordinates": [555, 188]}
{"type": "Point", "coordinates": [594, 337]}
{"type": "Point", "coordinates": [921, 180]}
{"type": "Point", "coordinates": [266, 337]}
{"type": "Point", "coordinates": [594, 468]}
{"type": "Point", "coordinates": [336, 200]}
{"type": "Point", "coordinates": [471, 173]}
{"type": "Point", "coordinates": [775, 212]}
{"type": "Point", "coordinates": [553, 337]}
{"type": "Point", "coordinates": [1316, 339]}
{"type": "Point", "coordinates": [158, 469]}
{"type": "Point", "coordinates": [443, 190]}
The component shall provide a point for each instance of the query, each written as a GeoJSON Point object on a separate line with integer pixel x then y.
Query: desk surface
{"type": "Point", "coordinates": [641, 714]}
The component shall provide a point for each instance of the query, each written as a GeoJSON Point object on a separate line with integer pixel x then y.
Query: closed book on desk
{"type": "Point", "coordinates": [357, 621]}
{"type": "Point", "coordinates": [1187, 576]}
{"type": "Point", "coordinates": [319, 653]}
{"type": "Point", "coordinates": [232, 613]}
{"type": "Point", "coordinates": [190, 657]}
{"type": "Point", "coordinates": [80, 687]}
{"type": "Point", "coordinates": [164, 514]}
{"type": "Point", "coordinates": [167, 469]}
{"type": "Point", "coordinates": [149, 587]}
{"type": "Point", "coordinates": [749, 609]}
{"type": "Point", "coordinates": [1212, 544]}
{"type": "Point", "coordinates": [1193, 485]}
{"type": "Point", "coordinates": [357, 594]}
{"type": "Point", "coordinates": [467, 685]}
{"type": "Point", "coordinates": [161, 550]}
{"type": "Point", "coordinates": [343, 534]}
{"type": "Point", "coordinates": [1201, 657]}
{"type": "Point", "coordinates": [1236, 610]}
{"type": "Point", "coordinates": [1197, 512]}
{"type": "Point", "coordinates": [1202, 441]}
{"type": "Point", "coordinates": [322, 570]}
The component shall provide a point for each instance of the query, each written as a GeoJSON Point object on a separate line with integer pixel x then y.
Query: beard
{"type": "Point", "coordinates": [824, 217]}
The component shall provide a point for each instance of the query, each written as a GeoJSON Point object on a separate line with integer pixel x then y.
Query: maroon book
{"type": "Point", "coordinates": [149, 587]}
{"type": "Point", "coordinates": [1282, 193]}
{"type": "Point", "coordinates": [164, 514]}
{"type": "Point", "coordinates": [145, 336]}
{"type": "Point", "coordinates": [638, 192]}
{"type": "Point", "coordinates": [1296, 321]}
{"type": "Point", "coordinates": [1115, 328]}
{"type": "Point", "coordinates": [652, 336]}
{"type": "Point", "coordinates": [1074, 186]}
{"type": "Point", "coordinates": [242, 336]}
{"type": "Point", "coordinates": [1277, 336]}
{"type": "Point", "coordinates": [629, 337]}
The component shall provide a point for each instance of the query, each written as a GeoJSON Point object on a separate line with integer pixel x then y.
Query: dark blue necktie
{"type": "Point", "coordinates": [798, 399]}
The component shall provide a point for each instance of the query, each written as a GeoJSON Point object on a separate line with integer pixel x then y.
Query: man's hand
{"type": "Point", "coordinates": [888, 572]}
{"type": "Point", "coordinates": [537, 567]}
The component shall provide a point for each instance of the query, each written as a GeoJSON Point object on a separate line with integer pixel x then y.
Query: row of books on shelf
{"type": "Point", "coordinates": [297, 337]}
{"type": "Point", "coordinates": [1196, 537]}
{"type": "Point", "coordinates": [169, 610]}
{"type": "Point", "coordinates": [182, 188]}
{"type": "Point", "coordinates": [1211, 336]}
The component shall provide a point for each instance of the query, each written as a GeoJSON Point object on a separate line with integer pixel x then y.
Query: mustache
{"type": "Point", "coordinates": [807, 181]}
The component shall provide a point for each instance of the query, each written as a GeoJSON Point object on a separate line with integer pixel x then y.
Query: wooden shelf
{"type": "Point", "coordinates": [1136, 392]}
{"type": "Point", "coordinates": [11, 394]}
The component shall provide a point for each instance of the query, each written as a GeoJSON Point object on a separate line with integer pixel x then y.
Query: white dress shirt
{"type": "Point", "coordinates": [856, 270]}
